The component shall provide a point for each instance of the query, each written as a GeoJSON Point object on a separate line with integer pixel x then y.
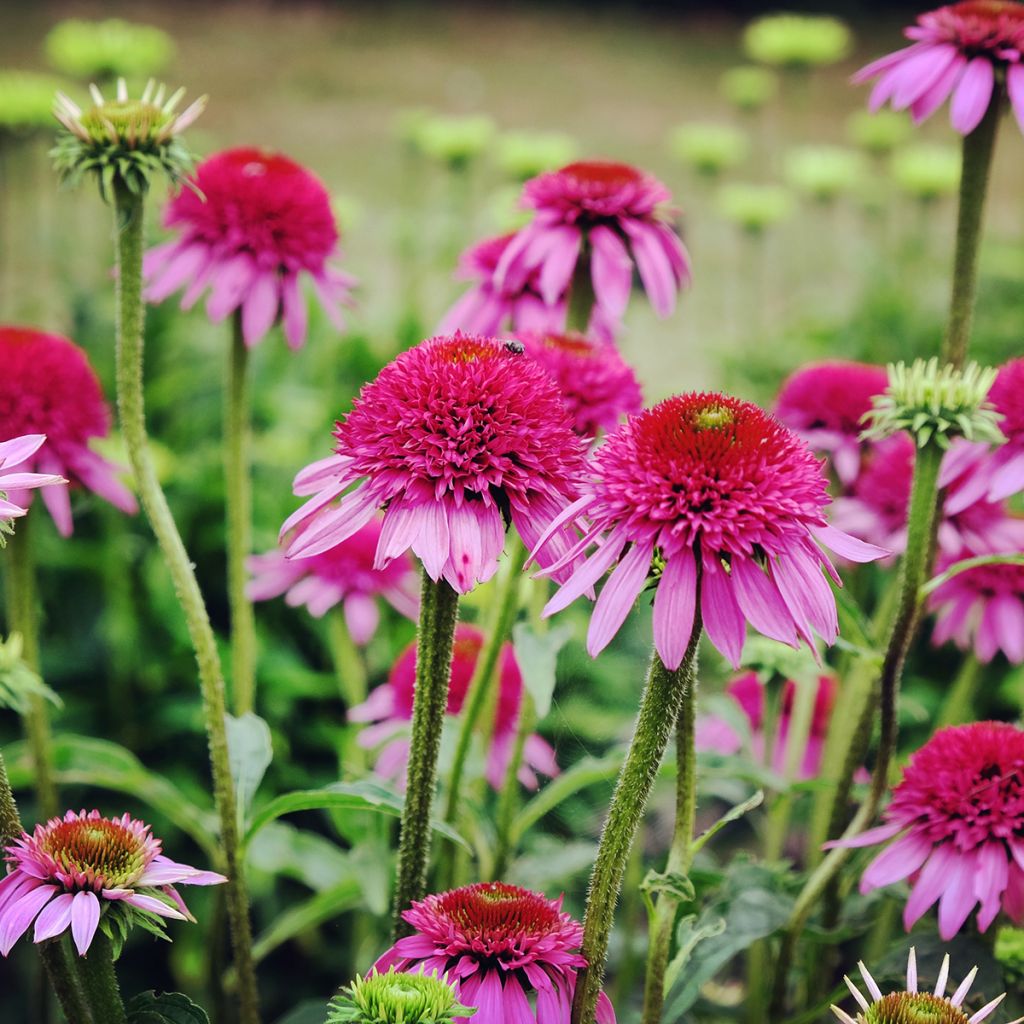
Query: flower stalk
{"type": "Point", "coordinates": [99, 982]}
{"type": "Point", "coordinates": [660, 706]}
{"type": "Point", "coordinates": [439, 609]}
{"type": "Point", "coordinates": [978, 151]}
{"type": "Point", "coordinates": [238, 506]}
{"type": "Point", "coordinates": [22, 618]}
{"type": "Point", "coordinates": [130, 315]}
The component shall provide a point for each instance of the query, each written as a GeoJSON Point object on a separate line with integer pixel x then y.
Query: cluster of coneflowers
{"type": "Point", "coordinates": [516, 437]}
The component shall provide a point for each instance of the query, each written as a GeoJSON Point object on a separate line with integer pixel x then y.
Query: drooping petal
{"type": "Point", "coordinates": [85, 918]}
{"type": "Point", "coordinates": [723, 620]}
{"type": "Point", "coordinates": [973, 95]}
{"type": "Point", "coordinates": [617, 596]}
{"type": "Point", "coordinates": [675, 602]}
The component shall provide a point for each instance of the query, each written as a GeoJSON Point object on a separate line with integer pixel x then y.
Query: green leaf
{"type": "Point", "coordinates": [672, 884]}
{"type": "Point", "coordinates": [303, 916]}
{"type": "Point", "coordinates": [733, 814]}
{"type": "Point", "coordinates": [17, 681]}
{"type": "Point", "coordinates": [250, 752]}
{"type": "Point", "coordinates": [537, 654]}
{"type": "Point", "coordinates": [356, 796]}
{"type": "Point", "coordinates": [165, 1008]}
{"type": "Point", "coordinates": [86, 761]}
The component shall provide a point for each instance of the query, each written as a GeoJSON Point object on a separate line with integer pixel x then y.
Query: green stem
{"type": "Point", "coordinates": [680, 854]}
{"type": "Point", "coordinates": [130, 402]}
{"type": "Point", "coordinates": [916, 560]}
{"type": "Point", "coordinates": [978, 150]}
{"type": "Point", "coordinates": [439, 610]}
{"type": "Point", "coordinates": [23, 618]}
{"type": "Point", "coordinates": [349, 666]}
{"type": "Point", "coordinates": [508, 799]}
{"type": "Point", "coordinates": [662, 699]}
{"type": "Point", "coordinates": [505, 609]}
{"type": "Point", "coordinates": [238, 506]}
{"type": "Point", "coordinates": [581, 299]}
{"type": "Point", "coordinates": [99, 981]}
{"type": "Point", "coordinates": [958, 706]}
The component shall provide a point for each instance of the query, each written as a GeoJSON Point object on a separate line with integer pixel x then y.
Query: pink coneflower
{"type": "Point", "coordinates": [343, 575]}
{"type": "Point", "coordinates": [607, 213]}
{"type": "Point", "coordinates": [389, 707]}
{"type": "Point", "coordinates": [982, 608]}
{"type": "Point", "coordinates": [72, 869]}
{"type": "Point", "coordinates": [959, 816]}
{"type": "Point", "coordinates": [48, 387]}
{"type": "Point", "coordinates": [875, 509]}
{"type": "Point", "coordinates": [514, 952]}
{"type": "Point", "coordinates": [252, 224]}
{"type": "Point", "coordinates": [715, 734]}
{"type": "Point", "coordinates": [13, 453]}
{"type": "Point", "coordinates": [708, 480]}
{"type": "Point", "coordinates": [598, 386]}
{"type": "Point", "coordinates": [961, 51]}
{"type": "Point", "coordinates": [455, 438]}
{"type": "Point", "coordinates": [973, 471]}
{"type": "Point", "coordinates": [825, 404]}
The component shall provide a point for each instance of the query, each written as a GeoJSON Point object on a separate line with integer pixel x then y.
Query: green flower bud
{"type": "Point", "coordinates": [878, 133]}
{"type": "Point", "coordinates": [797, 41]}
{"type": "Point", "coordinates": [26, 101]}
{"type": "Point", "coordinates": [754, 208]}
{"type": "Point", "coordinates": [523, 155]}
{"type": "Point", "coordinates": [101, 50]}
{"type": "Point", "coordinates": [749, 87]}
{"type": "Point", "coordinates": [455, 141]}
{"type": "Point", "coordinates": [709, 148]}
{"type": "Point", "coordinates": [936, 403]}
{"type": "Point", "coordinates": [926, 172]}
{"type": "Point", "coordinates": [124, 140]}
{"type": "Point", "coordinates": [824, 172]}
{"type": "Point", "coordinates": [396, 998]}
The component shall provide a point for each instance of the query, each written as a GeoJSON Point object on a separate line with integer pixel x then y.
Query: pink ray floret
{"type": "Point", "coordinates": [48, 387]}
{"type": "Point", "coordinates": [388, 712]}
{"type": "Point", "coordinates": [705, 485]}
{"type": "Point", "coordinates": [67, 873]}
{"type": "Point", "coordinates": [251, 228]}
{"type": "Point", "coordinates": [825, 404]}
{"type": "Point", "coordinates": [598, 386]}
{"type": "Point", "coordinates": [454, 439]}
{"type": "Point", "coordinates": [514, 952]}
{"type": "Point", "coordinates": [963, 53]}
{"type": "Point", "coordinates": [345, 575]}
{"type": "Point", "coordinates": [17, 452]}
{"type": "Point", "coordinates": [957, 824]}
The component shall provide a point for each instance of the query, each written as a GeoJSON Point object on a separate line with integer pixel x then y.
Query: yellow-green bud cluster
{"type": "Point", "coordinates": [397, 998]}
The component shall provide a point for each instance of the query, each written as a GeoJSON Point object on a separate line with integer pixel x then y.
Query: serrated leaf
{"type": "Point", "coordinates": [250, 752]}
{"type": "Point", "coordinates": [165, 1008]}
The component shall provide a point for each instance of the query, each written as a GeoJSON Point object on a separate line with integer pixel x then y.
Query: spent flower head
{"type": "Point", "coordinates": [797, 41]}
{"type": "Point", "coordinates": [123, 139]}
{"type": "Point", "coordinates": [105, 49]}
{"type": "Point", "coordinates": [910, 1006]}
{"type": "Point", "coordinates": [398, 998]}
{"type": "Point", "coordinates": [937, 403]}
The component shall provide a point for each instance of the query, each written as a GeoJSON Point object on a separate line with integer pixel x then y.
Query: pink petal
{"type": "Point", "coordinates": [653, 264]}
{"type": "Point", "coordinates": [293, 311]}
{"type": "Point", "coordinates": [18, 449]}
{"type": "Point", "coordinates": [260, 308]}
{"type": "Point", "coordinates": [973, 95]}
{"type": "Point", "coordinates": [54, 918]}
{"type": "Point", "coordinates": [896, 862]}
{"type": "Point", "coordinates": [20, 913]}
{"type": "Point", "coordinates": [618, 596]}
{"type": "Point", "coordinates": [85, 918]}
{"type": "Point", "coordinates": [723, 620]}
{"type": "Point", "coordinates": [1015, 87]}
{"type": "Point", "coordinates": [927, 103]}
{"type": "Point", "coordinates": [587, 574]}
{"type": "Point", "coordinates": [870, 837]}
{"type": "Point", "coordinates": [674, 605]}
{"type": "Point", "coordinates": [761, 603]}
{"type": "Point", "coordinates": [958, 899]}
{"type": "Point", "coordinates": [488, 1001]}
{"type": "Point", "coordinates": [845, 546]}
{"type": "Point", "coordinates": [930, 884]}
{"type": "Point", "coordinates": [155, 906]}
{"type": "Point", "coordinates": [557, 268]}
{"type": "Point", "coordinates": [611, 270]}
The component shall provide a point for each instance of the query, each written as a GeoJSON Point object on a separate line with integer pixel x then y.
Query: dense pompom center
{"type": "Point", "coordinates": [47, 387]}
{"type": "Point", "coordinates": [710, 468]}
{"type": "Point", "coordinates": [494, 918]}
{"type": "Point", "coordinates": [966, 785]}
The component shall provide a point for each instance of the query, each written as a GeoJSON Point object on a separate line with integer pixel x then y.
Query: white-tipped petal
{"type": "Point", "coordinates": [856, 993]}
{"type": "Point", "coordinates": [912, 970]}
{"type": "Point", "coordinates": [843, 1015]}
{"type": "Point", "coordinates": [122, 91]}
{"type": "Point", "coordinates": [986, 1010]}
{"type": "Point", "coordinates": [940, 985]}
{"type": "Point", "coordinates": [97, 96]}
{"type": "Point", "coordinates": [965, 986]}
{"type": "Point", "coordinates": [876, 992]}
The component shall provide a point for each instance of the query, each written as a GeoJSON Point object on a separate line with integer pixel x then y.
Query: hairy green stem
{"type": "Point", "coordinates": [662, 699]}
{"type": "Point", "coordinates": [99, 981]}
{"type": "Point", "coordinates": [978, 150]}
{"type": "Point", "coordinates": [505, 609]}
{"type": "Point", "coordinates": [131, 407]}
{"type": "Point", "coordinates": [439, 611]}
{"type": "Point", "coordinates": [238, 507]}
{"type": "Point", "coordinates": [916, 560]}
{"type": "Point", "coordinates": [680, 854]}
{"type": "Point", "coordinates": [23, 618]}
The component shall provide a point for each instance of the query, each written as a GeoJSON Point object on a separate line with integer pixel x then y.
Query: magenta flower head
{"type": "Point", "coordinates": [706, 480]}
{"type": "Point", "coordinates": [389, 708]}
{"type": "Point", "coordinates": [609, 214]}
{"type": "Point", "coordinates": [514, 952]}
{"type": "Point", "coordinates": [252, 225]}
{"type": "Point", "coordinates": [716, 735]}
{"type": "Point", "coordinates": [344, 575]}
{"type": "Point", "coordinates": [982, 608]}
{"type": "Point", "coordinates": [825, 404]}
{"type": "Point", "coordinates": [965, 51]}
{"type": "Point", "coordinates": [48, 387]}
{"type": "Point", "coordinates": [14, 453]}
{"type": "Point", "coordinates": [73, 870]}
{"type": "Point", "coordinates": [598, 386]}
{"type": "Point", "coordinates": [957, 818]}
{"type": "Point", "coordinates": [454, 439]}
{"type": "Point", "coordinates": [489, 310]}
